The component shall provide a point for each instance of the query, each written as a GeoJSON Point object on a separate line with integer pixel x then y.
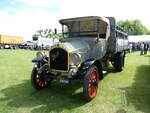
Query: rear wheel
{"type": "Point", "coordinates": [90, 83]}
{"type": "Point", "coordinates": [37, 81]}
{"type": "Point", "coordinates": [119, 61]}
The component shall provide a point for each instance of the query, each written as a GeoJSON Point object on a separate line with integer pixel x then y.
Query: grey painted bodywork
{"type": "Point", "coordinates": [94, 47]}
{"type": "Point", "coordinates": [87, 47]}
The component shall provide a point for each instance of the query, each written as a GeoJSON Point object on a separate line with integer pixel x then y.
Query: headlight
{"type": "Point", "coordinates": [40, 55]}
{"type": "Point", "coordinates": [76, 59]}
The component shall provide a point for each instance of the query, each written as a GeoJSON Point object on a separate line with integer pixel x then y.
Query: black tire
{"type": "Point", "coordinates": [119, 61]}
{"type": "Point", "coordinates": [90, 84]}
{"type": "Point", "coordinates": [37, 82]}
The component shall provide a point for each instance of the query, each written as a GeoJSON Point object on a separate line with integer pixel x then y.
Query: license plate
{"type": "Point", "coordinates": [64, 81]}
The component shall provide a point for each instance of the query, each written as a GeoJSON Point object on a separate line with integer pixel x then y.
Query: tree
{"type": "Point", "coordinates": [44, 33]}
{"type": "Point", "coordinates": [47, 33]}
{"type": "Point", "coordinates": [134, 27]}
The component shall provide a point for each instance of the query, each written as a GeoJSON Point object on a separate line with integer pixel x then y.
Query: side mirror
{"type": "Point", "coordinates": [55, 31]}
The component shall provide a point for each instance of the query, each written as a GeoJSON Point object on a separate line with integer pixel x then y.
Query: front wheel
{"type": "Point", "coordinates": [37, 81]}
{"type": "Point", "coordinates": [90, 83]}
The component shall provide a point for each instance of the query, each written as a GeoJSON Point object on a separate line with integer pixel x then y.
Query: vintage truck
{"type": "Point", "coordinates": [88, 44]}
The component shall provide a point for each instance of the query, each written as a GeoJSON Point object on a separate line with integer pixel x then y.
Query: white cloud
{"type": "Point", "coordinates": [37, 3]}
{"type": "Point", "coordinates": [26, 21]}
{"type": "Point", "coordinates": [119, 8]}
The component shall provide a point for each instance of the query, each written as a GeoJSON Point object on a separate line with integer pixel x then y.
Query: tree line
{"type": "Point", "coordinates": [134, 27]}
{"type": "Point", "coordinates": [131, 27]}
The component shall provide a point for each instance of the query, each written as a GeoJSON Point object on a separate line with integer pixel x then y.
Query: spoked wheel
{"type": "Point", "coordinates": [90, 83]}
{"type": "Point", "coordinates": [38, 82]}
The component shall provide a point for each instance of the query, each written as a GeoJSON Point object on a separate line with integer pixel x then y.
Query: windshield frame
{"type": "Point", "coordinates": [78, 34]}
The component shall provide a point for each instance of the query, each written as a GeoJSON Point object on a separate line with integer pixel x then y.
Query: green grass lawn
{"type": "Point", "coordinates": [124, 92]}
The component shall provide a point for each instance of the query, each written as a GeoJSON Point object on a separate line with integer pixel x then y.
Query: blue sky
{"type": "Point", "coordinates": [24, 17]}
{"type": "Point", "coordinates": [10, 6]}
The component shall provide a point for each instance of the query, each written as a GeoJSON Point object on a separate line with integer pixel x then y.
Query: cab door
{"type": "Point", "coordinates": [99, 49]}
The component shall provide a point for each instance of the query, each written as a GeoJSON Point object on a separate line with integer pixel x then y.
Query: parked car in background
{"type": "Point", "coordinates": [21, 46]}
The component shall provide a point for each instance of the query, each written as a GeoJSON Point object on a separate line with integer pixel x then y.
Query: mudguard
{"type": "Point", "coordinates": [88, 63]}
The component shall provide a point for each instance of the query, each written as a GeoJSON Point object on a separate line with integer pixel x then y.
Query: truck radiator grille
{"type": "Point", "coordinates": [58, 59]}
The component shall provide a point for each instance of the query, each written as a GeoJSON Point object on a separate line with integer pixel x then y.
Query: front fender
{"type": "Point", "coordinates": [88, 63]}
{"type": "Point", "coordinates": [35, 60]}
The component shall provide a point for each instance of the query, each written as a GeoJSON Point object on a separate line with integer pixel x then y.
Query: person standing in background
{"type": "Point", "coordinates": [130, 48]}
{"type": "Point", "coordinates": [142, 48]}
{"type": "Point", "coordinates": [146, 46]}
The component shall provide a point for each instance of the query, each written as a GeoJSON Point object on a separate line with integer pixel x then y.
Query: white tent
{"type": "Point", "coordinates": [139, 38]}
{"type": "Point", "coordinates": [45, 41]}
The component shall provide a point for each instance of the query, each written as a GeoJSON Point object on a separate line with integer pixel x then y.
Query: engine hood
{"type": "Point", "coordinates": [73, 45]}
{"type": "Point", "coordinates": [87, 47]}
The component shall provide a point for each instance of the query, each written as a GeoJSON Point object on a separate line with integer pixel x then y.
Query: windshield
{"type": "Point", "coordinates": [80, 28]}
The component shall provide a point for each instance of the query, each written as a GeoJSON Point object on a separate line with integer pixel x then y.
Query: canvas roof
{"type": "Point", "coordinates": [84, 19]}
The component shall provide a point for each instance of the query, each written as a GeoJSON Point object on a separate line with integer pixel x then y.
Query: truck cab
{"type": "Point", "coordinates": [93, 30]}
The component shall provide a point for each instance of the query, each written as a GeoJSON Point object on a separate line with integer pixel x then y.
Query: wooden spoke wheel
{"type": "Point", "coordinates": [37, 81]}
{"type": "Point", "coordinates": [90, 84]}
